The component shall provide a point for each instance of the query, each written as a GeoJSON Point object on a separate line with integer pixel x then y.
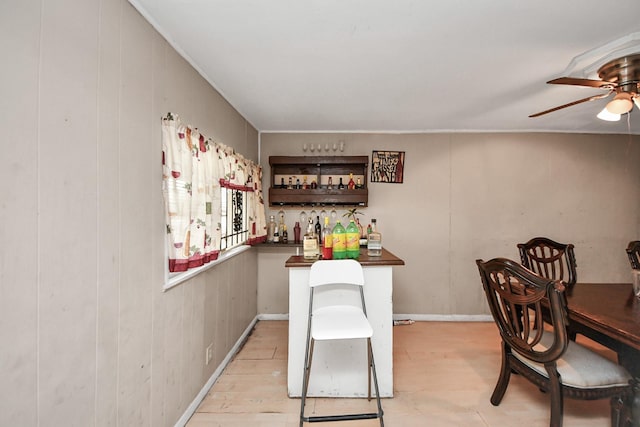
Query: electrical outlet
{"type": "Point", "coordinates": [208, 355]}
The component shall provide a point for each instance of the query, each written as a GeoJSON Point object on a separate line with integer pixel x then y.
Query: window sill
{"type": "Point", "coordinates": [174, 279]}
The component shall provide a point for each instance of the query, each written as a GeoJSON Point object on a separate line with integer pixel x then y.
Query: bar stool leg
{"type": "Point", "coordinates": [375, 384]}
{"type": "Point", "coordinates": [308, 358]}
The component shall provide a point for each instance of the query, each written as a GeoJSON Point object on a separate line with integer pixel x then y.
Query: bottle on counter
{"type": "Point", "coordinates": [290, 186]}
{"type": "Point", "coordinates": [282, 184]}
{"type": "Point", "coordinates": [353, 240]}
{"type": "Point", "coordinates": [271, 228]}
{"type": "Point", "coordinates": [330, 183]}
{"type": "Point", "coordinates": [285, 235]}
{"type": "Point", "coordinates": [310, 243]}
{"type": "Point", "coordinates": [359, 184]}
{"type": "Point", "coordinates": [314, 184]}
{"type": "Point", "coordinates": [296, 232]}
{"type": "Point", "coordinates": [374, 240]}
{"type": "Point", "coordinates": [305, 184]}
{"type": "Point", "coordinates": [298, 186]}
{"type": "Point", "coordinates": [318, 228]}
{"type": "Point", "coordinates": [327, 240]}
{"type": "Point", "coordinates": [339, 241]}
{"type": "Point", "coordinates": [277, 237]}
{"type": "Point", "coordinates": [340, 185]}
{"type": "Point", "coordinates": [351, 185]}
{"type": "Point", "coordinates": [360, 229]}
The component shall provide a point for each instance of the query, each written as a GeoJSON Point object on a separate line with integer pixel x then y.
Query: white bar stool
{"type": "Point", "coordinates": [338, 322]}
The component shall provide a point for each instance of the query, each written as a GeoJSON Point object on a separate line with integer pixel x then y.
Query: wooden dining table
{"type": "Point", "coordinates": [609, 314]}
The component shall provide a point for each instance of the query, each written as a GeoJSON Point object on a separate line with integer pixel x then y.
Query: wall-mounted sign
{"type": "Point", "coordinates": [387, 166]}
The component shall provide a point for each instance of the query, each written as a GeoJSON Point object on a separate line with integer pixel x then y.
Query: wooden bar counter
{"type": "Point", "coordinates": [340, 368]}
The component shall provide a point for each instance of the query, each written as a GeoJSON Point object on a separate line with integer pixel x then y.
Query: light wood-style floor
{"type": "Point", "coordinates": [444, 374]}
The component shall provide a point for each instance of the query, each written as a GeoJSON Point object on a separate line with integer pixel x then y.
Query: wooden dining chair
{"type": "Point", "coordinates": [550, 259]}
{"type": "Point", "coordinates": [633, 252]}
{"type": "Point", "coordinates": [544, 355]}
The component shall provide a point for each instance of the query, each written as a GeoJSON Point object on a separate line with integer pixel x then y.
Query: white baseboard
{"type": "Point", "coordinates": [191, 409]}
{"type": "Point", "coordinates": [284, 316]}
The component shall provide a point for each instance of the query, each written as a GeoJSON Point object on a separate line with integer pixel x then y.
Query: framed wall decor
{"type": "Point", "coordinates": [387, 166]}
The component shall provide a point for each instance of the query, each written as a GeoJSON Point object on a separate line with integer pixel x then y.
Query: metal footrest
{"type": "Point", "coordinates": [349, 417]}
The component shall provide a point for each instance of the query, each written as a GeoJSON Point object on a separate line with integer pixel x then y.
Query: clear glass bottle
{"type": "Point", "coordinates": [271, 228]}
{"type": "Point", "coordinates": [360, 229]}
{"type": "Point", "coordinates": [374, 240]}
{"type": "Point", "coordinates": [327, 240]}
{"type": "Point", "coordinates": [310, 243]}
{"type": "Point", "coordinates": [353, 240]}
{"type": "Point", "coordinates": [281, 226]}
{"type": "Point", "coordinates": [339, 241]}
{"type": "Point", "coordinates": [330, 183]}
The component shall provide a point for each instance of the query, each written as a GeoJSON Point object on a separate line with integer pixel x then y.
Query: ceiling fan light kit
{"type": "Point", "coordinates": [608, 116]}
{"type": "Point", "coordinates": [620, 76]}
{"type": "Point", "coordinates": [621, 104]}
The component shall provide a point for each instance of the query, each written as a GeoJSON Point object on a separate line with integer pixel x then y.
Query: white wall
{"type": "Point", "coordinates": [468, 196]}
{"type": "Point", "coordinates": [88, 337]}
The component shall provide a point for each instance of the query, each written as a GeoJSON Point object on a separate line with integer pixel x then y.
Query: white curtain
{"type": "Point", "coordinates": [194, 169]}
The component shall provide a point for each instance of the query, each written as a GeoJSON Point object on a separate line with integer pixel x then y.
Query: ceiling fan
{"type": "Point", "coordinates": [620, 76]}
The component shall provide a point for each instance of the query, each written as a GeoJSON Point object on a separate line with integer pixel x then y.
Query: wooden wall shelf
{"type": "Point", "coordinates": [318, 169]}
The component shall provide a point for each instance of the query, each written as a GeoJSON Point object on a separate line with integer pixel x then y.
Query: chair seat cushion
{"type": "Point", "coordinates": [580, 367]}
{"type": "Point", "coordinates": [340, 322]}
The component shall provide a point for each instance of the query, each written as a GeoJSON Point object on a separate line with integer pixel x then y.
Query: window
{"type": "Point", "coordinates": [213, 200]}
{"type": "Point", "coordinates": [234, 223]}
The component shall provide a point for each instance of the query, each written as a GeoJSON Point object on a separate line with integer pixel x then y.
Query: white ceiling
{"type": "Point", "coordinates": [402, 65]}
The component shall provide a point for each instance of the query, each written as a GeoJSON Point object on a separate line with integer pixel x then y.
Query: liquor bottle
{"type": "Point", "coordinates": [282, 185]}
{"type": "Point", "coordinates": [353, 240]}
{"type": "Point", "coordinates": [340, 185]}
{"type": "Point", "coordinates": [359, 184]}
{"type": "Point", "coordinates": [318, 228]}
{"type": "Point", "coordinates": [296, 232]}
{"type": "Point", "coordinates": [327, 240]}
{"type": "Point", "coordinates": [290, 186]}
{"type": "Point", "coordinates": [285, 235]}
{"type": "Point", "coordinates": [298, 184]}
{"type": "Point", "coordinates": [360, 229]}
{"type": "Point", "coordinates": [374, 242]}
{"type": "Point", "coordinates": [310, 243]}
{"type": "Point", "coordinates": [314, 184]}
{"type": "Point", "coordinates": [305, 185]}
{"type": "Point", "coordinates": [330, 184]}
{"type": "Point", "coordinates": [339, 241]}
{"type": "Point", "coordinates": [351, 185]}
{"type": "Point", "coordinates": [271, 228]}
{"type": "Point", "coordinates": [281, 226]}
{"type": "Point", "coordinates": [276, 234]}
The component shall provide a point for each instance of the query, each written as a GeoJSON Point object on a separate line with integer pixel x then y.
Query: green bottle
{"type": "Point", "coordinates": [353, 240]}
{"type": "Point", "coordinates": [339, 241]}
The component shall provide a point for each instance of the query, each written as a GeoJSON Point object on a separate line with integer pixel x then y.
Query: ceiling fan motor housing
{"type": "Point", "coordinates": [623, 73]}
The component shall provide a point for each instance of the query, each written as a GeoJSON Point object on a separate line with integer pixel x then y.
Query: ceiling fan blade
{"type": "Point", "coordinates": [571, 104]}
{"type": "Point", "coordinates": [581, 82]}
